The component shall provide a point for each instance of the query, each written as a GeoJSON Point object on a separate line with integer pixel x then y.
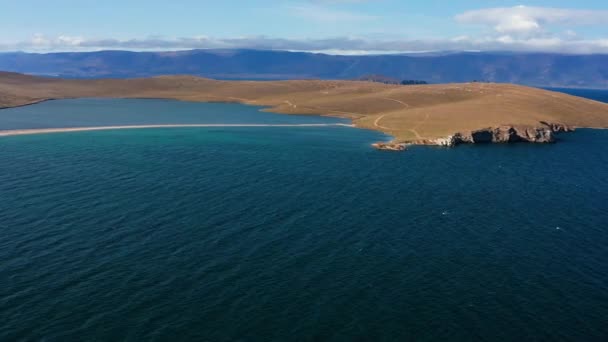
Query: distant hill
{"type": "Point", "coordinates": [538, 69]}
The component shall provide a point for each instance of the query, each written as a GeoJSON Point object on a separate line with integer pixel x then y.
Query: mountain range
{"type": "Point", "coordinates": [535, 69]}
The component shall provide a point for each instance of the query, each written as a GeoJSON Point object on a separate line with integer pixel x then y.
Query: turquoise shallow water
{"type": "Point", "coordinates": [116, 112]}
{"type": "Point", "coordinates": [271, 233]}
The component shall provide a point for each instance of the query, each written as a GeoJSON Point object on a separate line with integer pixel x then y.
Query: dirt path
{"type": "Point", "coordinates": [415, 132]}
{"type": "Point", "coordinates": [376, 122]}
{"type": "Point", "coordinates": [398, 101]}
{"type": "Point", "coordinates": [414, 129]}
{"type": "Point", "coordinates": [378, 119]}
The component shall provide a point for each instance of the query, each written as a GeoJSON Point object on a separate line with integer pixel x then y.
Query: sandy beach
{"type": "Point", "coordinates": [4, 133]}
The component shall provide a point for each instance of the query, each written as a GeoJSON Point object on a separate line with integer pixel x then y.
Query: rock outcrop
{"type": "Point", "coordinates": [390, 146]}
{"type": "Point", "coordinates": [557, 127]}
{"type": "Point", "coordinates": [545, 133]}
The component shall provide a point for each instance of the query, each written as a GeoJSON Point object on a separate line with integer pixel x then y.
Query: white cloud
{"type": "Point", "coordinates": [532, 20]}
{"type": "Point", "coordinates": [518, 24]}
{"type": "Point", "coordinates": [68, 40]}
{"type": "Point", "coordinates": [39, 40]}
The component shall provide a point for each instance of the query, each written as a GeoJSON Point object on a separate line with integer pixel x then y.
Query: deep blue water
{"type": "Point", "coordinates": [594, 94]}
{"type": "Point", "coordinates": [258, 234]}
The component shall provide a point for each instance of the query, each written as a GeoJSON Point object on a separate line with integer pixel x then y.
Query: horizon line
{"type": "Point", "coordinates": [316, 52]}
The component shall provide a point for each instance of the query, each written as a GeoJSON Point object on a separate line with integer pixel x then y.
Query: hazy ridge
{"type": "Point", "coordinates": [536, 69]}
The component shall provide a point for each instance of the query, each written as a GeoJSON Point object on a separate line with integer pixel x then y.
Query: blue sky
{"type": "Point", "coordinates": [335, 26]}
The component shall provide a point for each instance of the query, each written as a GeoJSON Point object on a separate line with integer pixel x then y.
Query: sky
{"type": "Point", "coordinates": [330, 26]}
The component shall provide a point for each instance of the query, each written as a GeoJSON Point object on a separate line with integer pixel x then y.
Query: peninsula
{"type": "Point", "coordinates": [444, 114]}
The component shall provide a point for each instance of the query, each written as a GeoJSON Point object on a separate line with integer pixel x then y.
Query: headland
{"type": "Point", "coordinates": [442, 114]}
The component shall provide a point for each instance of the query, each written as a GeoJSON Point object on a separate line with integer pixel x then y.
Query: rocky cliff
{"type": "Point", "coordinates": [544, 133]}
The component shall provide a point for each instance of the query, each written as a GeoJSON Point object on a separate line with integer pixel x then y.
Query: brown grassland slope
{"type": "Point", "coordinates": [408, 113]}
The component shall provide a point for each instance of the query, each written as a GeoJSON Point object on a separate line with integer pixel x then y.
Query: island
{"type": "Point", "coordinates": [437, 114]}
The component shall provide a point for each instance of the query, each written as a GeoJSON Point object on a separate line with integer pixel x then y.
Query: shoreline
{"type": "Point", "coordinates": [26, 104]}
{"type": "Point", "coordinates": [391, 144]}
{"type": "Point", "coordinates": [443, 114]}
{"type": "Point", "coordinates": [352, 118]}
{"type": "Point", "coordinates": [31, 131]}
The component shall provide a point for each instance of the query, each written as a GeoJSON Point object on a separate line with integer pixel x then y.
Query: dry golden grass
{"type": "Point", "coordinates": [408, 113]}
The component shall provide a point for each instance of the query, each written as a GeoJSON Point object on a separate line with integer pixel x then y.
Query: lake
{"type": "Point", "coordinates": [297, 233]}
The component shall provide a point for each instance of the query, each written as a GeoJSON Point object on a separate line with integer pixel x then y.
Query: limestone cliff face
{"type": "Point", "coordinates": [557, 127]}
{"type": "Point", "coordinates": [508, 134]}
{"type": "Point", "coordinates": [544, 133]}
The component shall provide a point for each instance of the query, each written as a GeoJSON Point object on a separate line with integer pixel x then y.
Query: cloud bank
{"type": "Point", "coordinates": [337, 45]}
{"type": "Point", "coordinates": [519, 28]}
